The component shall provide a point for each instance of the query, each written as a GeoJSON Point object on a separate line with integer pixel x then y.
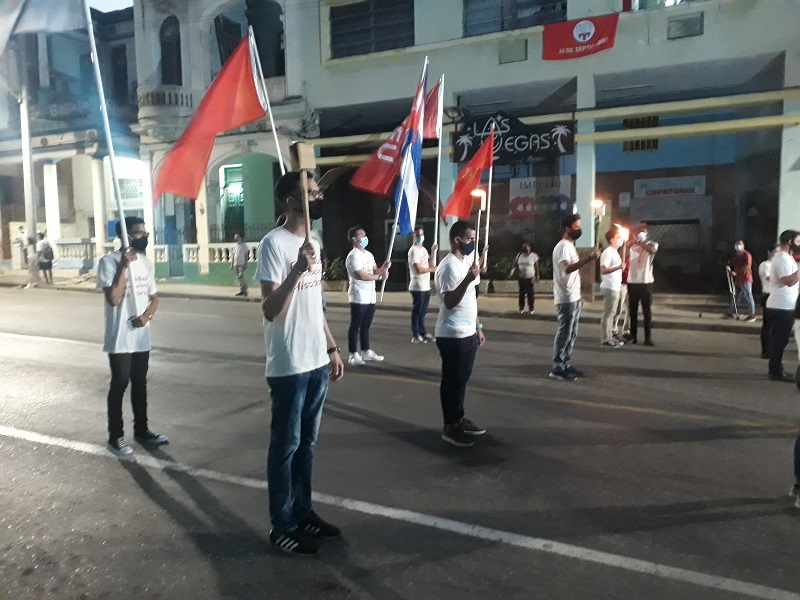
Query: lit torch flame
{"type": "Point", "coordinates": [623, 233]}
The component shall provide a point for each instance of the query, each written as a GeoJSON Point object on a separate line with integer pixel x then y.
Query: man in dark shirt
{"type": "Point", "coordinates": [741, 265]}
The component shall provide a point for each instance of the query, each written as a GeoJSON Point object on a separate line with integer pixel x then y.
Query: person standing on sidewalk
{"type": "Point", "coordinates": [241, 254]}
{"type": "Point", "coordinates": [459, 333]}
{"type": "Point", "coordinates": [567, 296]}
{"type": "Point", "coordinates": [420, 266]}
{"type": "Point", "coordinates": [782, 302]}
{"type": "Point", "coordinates": [526, 266]}
{"type": "Point", "coordinates": [741, 265]}
{"type": "Point", "coordinates": [45, 256]}
{"type": "Point", "coordinates": [127, 333]}
{"type": "Point", "coordinates": [610, 284]}
{"type": "Point", "coordinates": [32, 258]}
{"type": "Point", "coordinates": [640, 283]}
{"type": "Point", "coordinates": [362, 273]}
{"type": "Point", "coordinates": [302, 358]}
{"type": "Point", "coordinates": [763, 274]}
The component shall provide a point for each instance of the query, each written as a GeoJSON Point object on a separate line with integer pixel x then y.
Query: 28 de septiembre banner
{"type": "Point", "coordinates": [573, 39]}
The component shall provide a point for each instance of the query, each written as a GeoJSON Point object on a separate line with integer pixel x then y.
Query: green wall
{"type": "Point", "coordinates": [218, 274]}
{"type": "Point", "coordinates": [259, 185]}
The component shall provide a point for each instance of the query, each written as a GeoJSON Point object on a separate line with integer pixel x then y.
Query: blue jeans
{"type": "Point", "coordinates": [361, 316]}
{"type": "Point", "coordinates": [419, 308]}
{"type": "Point", "coordinates": [296, 412]}
{"type": "Point", "coordinates": [569, 313]}
{"type": "Point", "coordinates": [744, 291]}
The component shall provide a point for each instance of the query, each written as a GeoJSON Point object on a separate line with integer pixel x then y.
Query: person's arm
{"type": "Point", "coordinates": [479, 331]}
{"type": "Point", "coordinates": [649, 247]}
{"type": "Point", "coordinates": [451, 299]}
{"type": "Point", "coordinates": [789, 280]}
{"type": "Point", "coordinates": [337, 366]}
{"type": "Point", "coordinates": [536, 276]}
{"type": "Point", "coordinates": [148, 314]}
{"type": "Point", "coordinates": [607, 270]}
{"type": "Point", "coordinates": [275, 297]}
{"type": "Point", "coordinates": [116, 291]}
{"type": "Point", "coordinates": [748, 268]}
{"type": "Point", "coordinates": [572, 267]}
{"type": "Point", "coordinates": [377, 275]}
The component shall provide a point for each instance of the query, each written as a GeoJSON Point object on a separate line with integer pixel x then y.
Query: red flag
{"type": "Point", "coordinates": [573, 39]}
{"type": "Point", "coordinates": [433, 111]}
{"type": "Point", "coordinates": [460, 201]}
{"type": "Point", "coordinates": [231, 101]}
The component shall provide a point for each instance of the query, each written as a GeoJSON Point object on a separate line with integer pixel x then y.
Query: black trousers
{"type": "Point", "coordinates": [780, 330]}
{"type": "Point", "coordinates": [640, 292]}
{"type": "Point", "coordinates": [525, 292]}
{"type": "Point", "coordinates": [127, 368]}
{"type": "Point", "coordinates": [765, 325]}
{"type": "Point", "coordinates": [458, 358]}
{"type": "Point", "coordinates": [361, 316]}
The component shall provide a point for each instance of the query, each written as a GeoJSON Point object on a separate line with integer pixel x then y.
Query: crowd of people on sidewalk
{"type": "Point", "coordinates": [302, 355]}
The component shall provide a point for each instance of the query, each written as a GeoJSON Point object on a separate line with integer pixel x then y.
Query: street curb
{"type": "Point", "coordinates": [725, 327]}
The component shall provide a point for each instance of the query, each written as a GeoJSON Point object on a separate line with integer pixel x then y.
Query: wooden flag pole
{"type": "Point", "coordinates": [304, 161]}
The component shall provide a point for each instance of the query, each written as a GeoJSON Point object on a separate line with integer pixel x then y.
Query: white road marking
{"type": "Point", "coordinates": [466, 529]}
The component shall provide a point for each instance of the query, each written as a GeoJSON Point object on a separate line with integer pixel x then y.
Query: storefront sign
{"type": "Point", "coordinates": [573, 39]}
{"type": "Point", "coordinates": [514, 141]}
{"type": "Point", "coordinates": [670, 186]}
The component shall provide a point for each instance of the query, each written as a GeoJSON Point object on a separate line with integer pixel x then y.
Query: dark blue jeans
{"type": "Point", "coordinates": [458, 358]}
{"type": "Point", "coordinates": [296, 412]}
{"type": "Point", "coordinates": [781, 327]}
{"type": "Point", "coordinates": [361, 316]}
{"type": "Point", "coordinates": [419, 308]}
{"type": "Point", "coordinates": [569, 313]}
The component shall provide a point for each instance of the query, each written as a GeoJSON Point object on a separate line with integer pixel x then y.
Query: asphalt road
{"type": "Point", "coordinates": [662, 473]}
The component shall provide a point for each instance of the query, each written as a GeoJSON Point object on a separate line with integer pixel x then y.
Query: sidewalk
{"type": "Point", "coordinates": [670, 311]}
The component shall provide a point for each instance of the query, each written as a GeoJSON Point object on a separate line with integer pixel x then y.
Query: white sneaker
{"type": "Point", "coordinates": [371, 355]}
{"type": "Point", "coordinates": [355, 359]}
{"type": "Point", "coordinates": [417, 339]}
{"type": "Point", "coordinates": [429, 337]}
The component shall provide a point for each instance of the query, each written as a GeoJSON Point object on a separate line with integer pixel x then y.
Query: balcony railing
{"type": "Point", "coordinates": [165, 95]}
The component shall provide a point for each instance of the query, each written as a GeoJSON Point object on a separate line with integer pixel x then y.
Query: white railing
{"type": "Point", "coordinates": [75, 249]}
{"type": "Point", "coordinates": [160, 253]}
{"type": "Point", "coordinates": [222, 253]}
{"type": "Point", "coordinates": [190, 253]}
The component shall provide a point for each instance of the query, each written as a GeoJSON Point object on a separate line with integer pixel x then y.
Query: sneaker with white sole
{"type": "Point", "coordinates": [429, 337]}
{"type": "Point", "coordinates": [294, 542]}
{"type": "Point", "coordinates": [355, 359]}
{"type": "Point", "coordinates": [151, 437]}
{"type": "Point", "coordinates": [371, 356]}
{"type": "Point", "coordinates": [314, 526]}
{"type": "Point", "coordinates": [453, 434]}
{"type": "Point", "coordinates": [469, 427]}
{"type": "Point", "coordinates": [795, 491]}
{"type": "Point", "coordinates": [119, 447]}
{"type": "Point", "coordinates": [417, 339]}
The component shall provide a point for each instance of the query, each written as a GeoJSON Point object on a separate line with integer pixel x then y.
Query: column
{"type": "Point", "coordinates": [99, 206]}
{"type": "Point", "coordinates": [51, 206]}
{"type": "Point", "coordinates": [789, 198]}
{"type": "Point", "coordinates": [585, 168]}
{"type": "Point", "coordinates": [148, 207]}
{"type": "Point", "coordinates": [201, 216]}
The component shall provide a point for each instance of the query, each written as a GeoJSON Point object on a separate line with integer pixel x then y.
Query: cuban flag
{"type": "Point", "coordinates": [407, 192]}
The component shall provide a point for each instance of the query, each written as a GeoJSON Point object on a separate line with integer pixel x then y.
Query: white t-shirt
{"type": "Point", "coordinates": [609, 259]}
{"type": "Point", "coordinates": [295, 339]}
{"type": "Point", "coordinates": [458, 322]}
{"type": "Point", "coordinates": [782, 297]}
{"type": "Point", "coordinates": [121, 337]}
{"type": "Point", "coordinates": [763, 274]}
{"type": "Point", "coordinates": [566, 286]}
{"type": "Point", "coordinates": [641, 270]}
{"type": "Point", "coordinates": [525, 265]}
{"type": "Point", "coordinates": [418, 282]}
{"type": "Point", "coordinates": [360, 291]}
{"type": "Point", "coordinates": [240, 255]}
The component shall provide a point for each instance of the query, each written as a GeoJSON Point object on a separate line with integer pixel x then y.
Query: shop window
{"type": "Point", "coordinates": [490, 16]}
{"type": "Point", "coordinates": [170, 37]}
{"type": "Point", "coordinates": [371, 26]}
{"type": "Point", "coordinates": [644, 144]}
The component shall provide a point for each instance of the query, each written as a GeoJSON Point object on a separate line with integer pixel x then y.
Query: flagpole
{"type": "Point", "coordinates": [477, 239]}
{"type": "Point", "coordinates": [111, 155]}
{"type": "Point", "coordinates": [254, 50]}
{"type": "Point", "coordinates": [489, 202]}
{"type": "Point", "coordinates": [438, 171]}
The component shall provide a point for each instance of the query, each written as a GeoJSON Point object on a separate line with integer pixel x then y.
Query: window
{"type": "Point", "coordinates": [119, 62]}
{"type": "Point", "coordinates": [640, 145]}
{"type": "Point", "coordinates": [170, 37]}
{"type": "Point", "coordinates": [371, 26]}
{"type": "Point", "coordinates": [490, 16]}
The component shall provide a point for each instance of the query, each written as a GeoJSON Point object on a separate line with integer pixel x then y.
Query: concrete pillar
{"type": "Point", "coordinates": [148, 208]}
{"type": "Point", "coordinates": [100, 232]}
{"type": "Point", "coordinates": [585, 171]}
{"type": "Point", "coordinates": [44, 62]}
{"type": "Point", "coordinates": [789, 199]}
{"type": "Point", "coordinates": [52, 208]}
{"type": "Point", "coordinates": [203, 234]}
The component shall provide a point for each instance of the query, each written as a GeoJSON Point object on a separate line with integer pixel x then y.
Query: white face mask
{"type": "Point", "coordinates": [739, 247]}
{"type": "Point", "coordinates": [618, 243]}
{"type": "Point", "coordinates": [641, 236]}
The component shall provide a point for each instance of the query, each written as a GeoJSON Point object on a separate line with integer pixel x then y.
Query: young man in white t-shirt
{"type": "Point", "coordinates": [362, 273]}
{"type": "Point", "coordinates": [127, 333]}
{"type": "Point", "coordinates": [763, 275]}
{"type": "Point", "coordinates": [459, 332]}
{"type": "Point", "coordinates": [782, 302]}
{"type": "Point", "coordinates": [302, 357]}
{"type": "Point", "coordinates": [241, 254]}
{"type": "Point", "coordinates": [420, 266]}
{"type": "Point", "coordinates": [610, 285]}
{"type": "Point", "coordinates": [567, 296]}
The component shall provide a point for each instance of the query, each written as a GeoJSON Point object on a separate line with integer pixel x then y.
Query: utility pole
{"type": "Point", "coordinates": [25, 135]}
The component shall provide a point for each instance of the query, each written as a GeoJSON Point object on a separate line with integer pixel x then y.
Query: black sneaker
{"type": "Point", "coordinates": [119, 447]}
{"type": "Point", "coordinates": [649, 343]}
{"type": "Point", "coordinates": [151, 437]}
{"type": "Point", "coordinates": [563, 375]}
{"type": "Point", "coordinates": [452, 434]}
{"type": "Point", "coordinates": [244, 294]}
{"type": "Point", "coordinates": [469, 427]}
{"type": "Point", "coordinates": [787, 377]}
{"type": "Point", "coordinates": [314, 526]}
{"type": "Point", "coordinates": [574, 371]}
{"type": "Point", "coordinates": [294, 543]}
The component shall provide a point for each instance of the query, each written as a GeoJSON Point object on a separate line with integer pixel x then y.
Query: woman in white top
{"type": "Point", "coordinates": [526, 266]}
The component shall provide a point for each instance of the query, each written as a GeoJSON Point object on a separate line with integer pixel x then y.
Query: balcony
{"type": "Point", "coordinates": [164, 104]}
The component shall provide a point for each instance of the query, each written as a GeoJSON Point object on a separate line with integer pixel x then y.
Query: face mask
{"type": "Point", "coordinates": [738, 247]}
{"type": "Point", "coordinates": [419, 240]}
{"type": "Point", "coordinates": [466, 249]}
{"type": "Point", "coordinates": [575, 233]}
{"type": "Point", "coordinates": [139, 244]}
{"type": "Point", "coordinates": [618, 244]}
{"type": "Point", "coordinates": [641, 236]}
{"type": "Point", "coordinates": [315, 210]}
{"type": "Point", "coordinates": [363, 242]}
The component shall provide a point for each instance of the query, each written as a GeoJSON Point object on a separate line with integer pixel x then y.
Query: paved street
{"type": "Point", "coordinates": [662, 474]}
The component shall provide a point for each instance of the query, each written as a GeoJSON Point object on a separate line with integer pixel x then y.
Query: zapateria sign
{"type": "Point", "coordinates": [514, 141]}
